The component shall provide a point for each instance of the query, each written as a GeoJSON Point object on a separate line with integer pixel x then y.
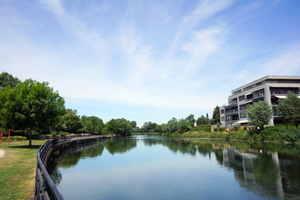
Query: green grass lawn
{"type": "Point", "coordinates": [17, 169]}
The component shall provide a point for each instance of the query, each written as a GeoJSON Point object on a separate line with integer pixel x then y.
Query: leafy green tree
{"type": "Point", "coordinates": [164, 128]}
{"type": "Point", "coordinates": [184, 125]}
{"type": "Point", "coordinates": [191, 120]}
{"type": "Point", "coordinates": [148, 127]}
{"type": "Point", "coordinates": [118, 126]}
{"type": "Point", "coordinates": [216, 115]}
{"type": "Point", "coordinates": [259, 113]}
{"type": "Point", "coordinates": [133, 124]}
{"type": "Point", "coordinates": [7, 79]}
{"type": "Point", "coordinates": [289, 109]}
{"type": "Point", "coordinates": [72, 121]}
{"type": "Point", "coordinates": [158, 128]}
{"type": "Point", "coordinates": [202, 120]}
{"type": "Point", "coordinates": [92, 124]}
{"type": "Point", "coordinates": [31, 105]}
{"type": "Point", "coordinates": [172, 125]}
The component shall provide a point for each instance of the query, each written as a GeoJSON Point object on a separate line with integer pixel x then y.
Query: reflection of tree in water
{"type": "Point", "coordinates": [219, 156]}
{"type": "Point", "coordinates": [68, 155]}
{"type": "Point", "coordinates": [120, 145]}
{"type": "Point", "coordinates": [179, 145]}
{"type": "Point", "coordinates": [270, 173]}
{"type": "Point", "coordinates": [56, 176]}
{"type": "Point", "coordinates": [256, 165]}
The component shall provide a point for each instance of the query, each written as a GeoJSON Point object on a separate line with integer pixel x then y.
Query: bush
{"type": "Point", "coordinates": [15, 138]}
{"type": "Point", "coordinates": [63, 134]}
{"type": "Point", "coordinates": [18, 133]}
{"type": "Point", "coordinates": [205, 128]}
{"type": "Point", "coordinates": [290, 135]}
{"type": "Point", "coordinates": [82, 130]}
{"type": "Point", "coordinates": [54, 134]}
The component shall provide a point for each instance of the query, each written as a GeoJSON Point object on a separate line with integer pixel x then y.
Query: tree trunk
{"type": "Point", "coordinates": [30, 145]}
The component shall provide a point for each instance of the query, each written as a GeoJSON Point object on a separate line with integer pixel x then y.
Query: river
{"type": "Point", "coordinates": [154, 167]}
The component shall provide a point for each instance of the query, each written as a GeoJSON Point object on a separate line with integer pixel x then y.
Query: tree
{"type": "Point", "coordinates": [118, 126]}
{"type": "Point", "coordinates": [148, 127]}
{"type": "Point", "coordinates": [202, 120]}
{"type": "Point", "coordinates": [259, 113]}
{"type": "Point", "coordinates": [289, 109]}
{"type": "Point", "coordinates": [216, 115]}
{"type": "Point", "coordinates": [133, 124]}
{"type": "Point", "coordinates": [184, 125]}
{"type": "Point", "coordinates": [172, 125]}
{"type": "Point", "coordinates": [191, 120]}
{"type": "Point", "coordinates": [72, 121]}
{"type": "Point", "coordinates": [93, 124]}
{"type": "Point", "coordinates": [31, 105]}
{"type": "Point", "coordinates": [7, 79]}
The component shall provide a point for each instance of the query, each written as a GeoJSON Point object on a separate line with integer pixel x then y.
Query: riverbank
{"type": "Point", "coordinates": [17, 169]}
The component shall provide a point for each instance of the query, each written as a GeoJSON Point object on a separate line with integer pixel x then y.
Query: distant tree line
{"type": "Point", "coordinates": [35, 107]}
{"type": "Point", "coordinates": [180, 125]}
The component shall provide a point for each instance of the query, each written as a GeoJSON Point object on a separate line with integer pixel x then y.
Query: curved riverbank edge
{"type": "Point", "coordinates": [44, 186]}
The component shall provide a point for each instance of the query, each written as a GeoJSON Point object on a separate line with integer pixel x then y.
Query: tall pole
{"type": "Point", "coordinates": [1, 136]}
{"type": "Point", "coordinates": [8, 138]}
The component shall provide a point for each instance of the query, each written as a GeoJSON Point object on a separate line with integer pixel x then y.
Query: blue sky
{"type": "Point", "coordinates": [148, 60]}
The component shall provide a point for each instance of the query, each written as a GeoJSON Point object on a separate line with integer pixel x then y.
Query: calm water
{"type": "Point", "coordinates": [153, 167]}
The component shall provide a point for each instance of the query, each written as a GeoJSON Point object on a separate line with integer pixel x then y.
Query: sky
{"type": "Point", "coordinates": [148, 60]}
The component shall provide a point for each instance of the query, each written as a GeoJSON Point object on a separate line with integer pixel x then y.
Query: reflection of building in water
{"type": "Point", "coordinates": [238, 160]}
{"type": "Point", "coordinates": [269, 173]}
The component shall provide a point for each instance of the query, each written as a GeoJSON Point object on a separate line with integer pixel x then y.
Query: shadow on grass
{"type": "Point", "coordinates": [25, 147]}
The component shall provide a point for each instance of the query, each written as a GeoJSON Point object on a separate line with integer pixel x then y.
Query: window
{"type": "Point", "coordinates": [243, 115]}
{"type": "Point", "coordinates": [242, 98]}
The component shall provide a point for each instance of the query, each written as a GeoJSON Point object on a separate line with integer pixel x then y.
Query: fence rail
{"type": "Point", "coordinates": [45, 188]}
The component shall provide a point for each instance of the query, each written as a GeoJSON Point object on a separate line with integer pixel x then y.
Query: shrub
{"type": "Point", "coordinates": [16, 138]}
{"type": "Point", "coordinates": [63, 134]}
{"type": "Point", "coordinates": [290, 135]}
{"type": "Point", "coordinates": [206, 128]}
{"type": "Point", "coordinates": [54, 134]}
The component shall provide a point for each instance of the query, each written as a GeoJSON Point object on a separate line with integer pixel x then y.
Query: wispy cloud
{"type": "Point", "coordinates": [180, 55]}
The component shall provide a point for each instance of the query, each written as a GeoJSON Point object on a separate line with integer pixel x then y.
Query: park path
{"type": "Point", "coordinates": [2, 152]}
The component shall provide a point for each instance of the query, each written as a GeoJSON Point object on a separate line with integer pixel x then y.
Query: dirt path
{"type": "Point", "coordinates": [2, 152]}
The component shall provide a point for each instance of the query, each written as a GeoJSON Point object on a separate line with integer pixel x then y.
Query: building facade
{"type": "Point", "coordinates": [268, 88]}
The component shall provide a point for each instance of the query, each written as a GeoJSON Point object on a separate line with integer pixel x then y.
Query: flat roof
{"type": "Point", "coordinates": [267, 77]}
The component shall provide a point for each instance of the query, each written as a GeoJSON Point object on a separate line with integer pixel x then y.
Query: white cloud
{"type": "Point", "coordinates": [285, 62]}
{"type": "Point", "coordinates": [203, 43]}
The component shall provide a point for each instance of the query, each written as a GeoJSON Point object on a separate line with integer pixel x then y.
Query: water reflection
{"type": "Point", "coordinates": [261, 167]}
{"type": "Point", "coordinates": [270, 170]}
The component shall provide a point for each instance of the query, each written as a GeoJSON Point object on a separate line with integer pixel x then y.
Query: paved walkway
{"type": "Point", "coordinates": [2, 152]}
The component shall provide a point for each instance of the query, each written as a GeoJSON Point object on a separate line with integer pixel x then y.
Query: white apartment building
{"type": "Point", "coordinates": [268, 88]}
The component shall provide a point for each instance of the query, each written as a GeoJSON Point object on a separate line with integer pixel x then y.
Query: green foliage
{"type": "Point", "coordinates": [289, 109]}
{"type": "Point", "coordinates": [82, 130]}
{"type": "Point", "coordinates": [206, 128]}
{"type": "Point", "coordinates": [118, 126]}
{"type": "Point", "coordinates": [291, 135]}
{"type": "Point", "coordinates": [259, 113]}
{"type": "Point", "coordinates": [148, 127]}
{"type": "Point", "coordinates": [279, 128]}
{"type": "Point", "coordinates": [92, 124]}
{"type": "Point", "coordinates": [191, 120]}
{"type": "Point", "coordinates": [7, 80]}
{"type": "Point", "coordinates": [216, 115]}
{"type": "Point", "coordinates": [72, 122]}
{"type": "Point", "coordinates": [133, 124]}
{"type": "Point", "coordinates": [31, 105]}
{"type": "Point", "coordinates": [15, 138]}
{"type": "Point", "coordinates": [203, 120]}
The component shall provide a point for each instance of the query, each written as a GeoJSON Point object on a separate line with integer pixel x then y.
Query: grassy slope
{"type": "Point", "coordinates": [17, 169]}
